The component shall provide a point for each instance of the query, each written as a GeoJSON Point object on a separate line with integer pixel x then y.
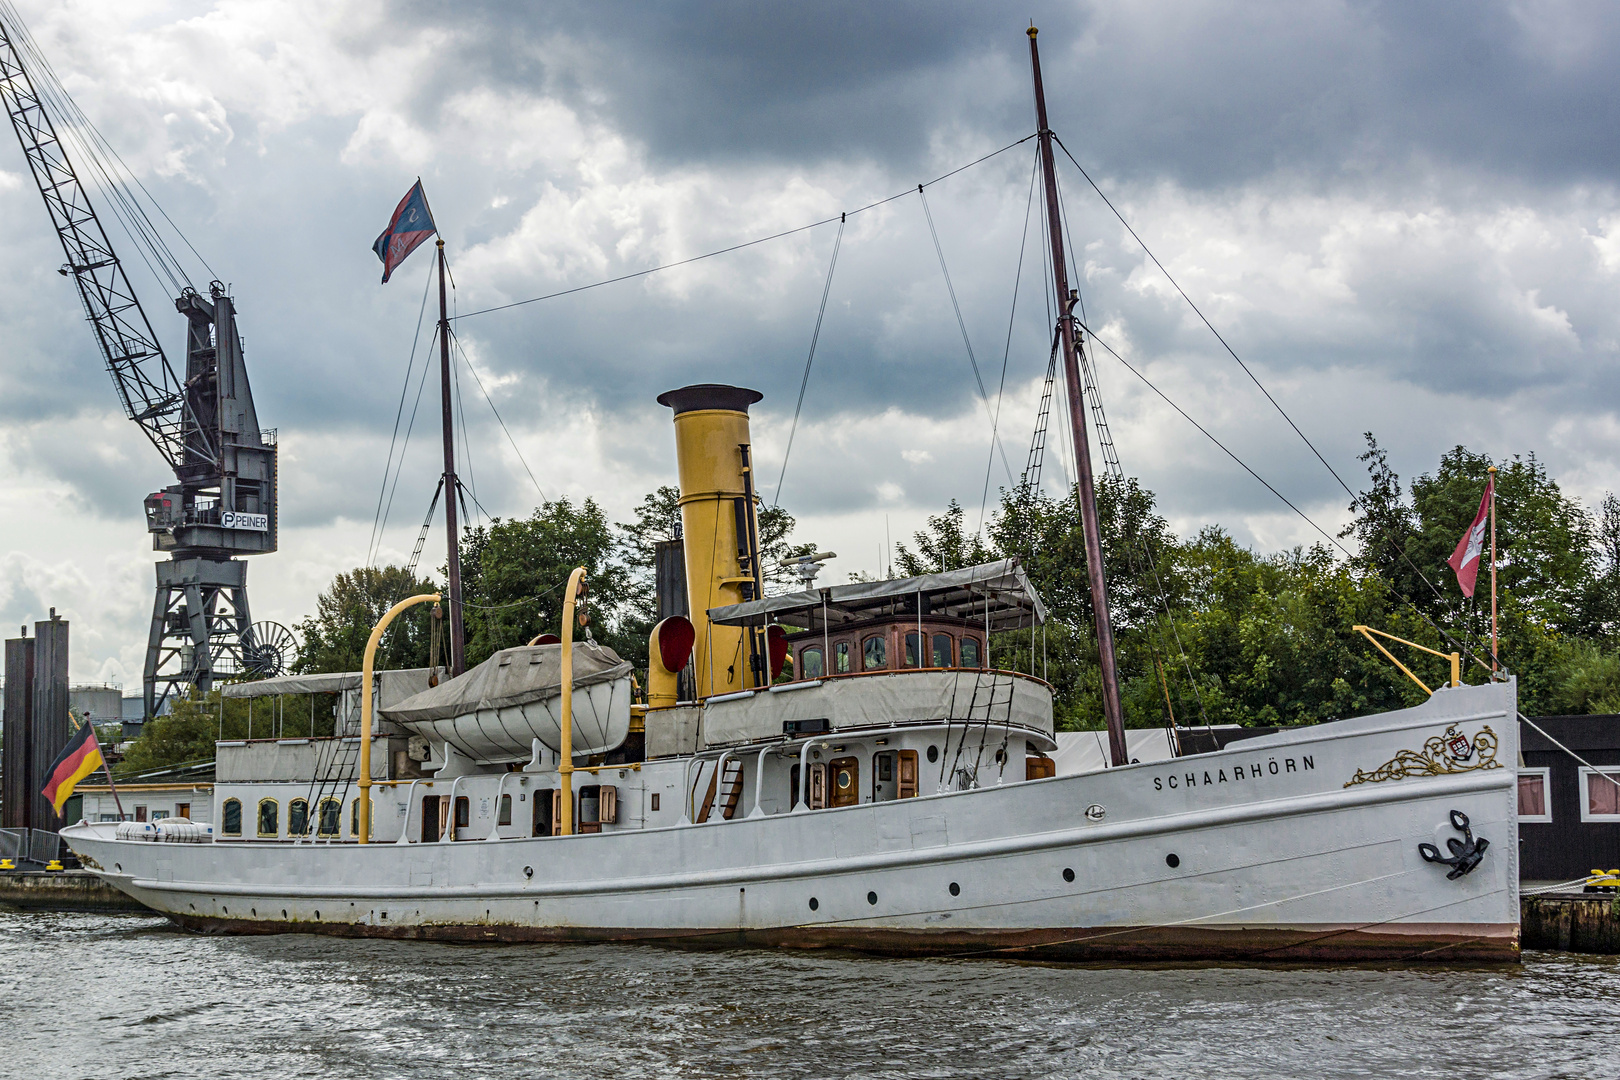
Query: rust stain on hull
{"type": "Point", "coordinates": [1496, 944]}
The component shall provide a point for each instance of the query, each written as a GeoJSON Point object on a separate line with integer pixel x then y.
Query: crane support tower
{"type": "Point", "coordinates": [204, 424]}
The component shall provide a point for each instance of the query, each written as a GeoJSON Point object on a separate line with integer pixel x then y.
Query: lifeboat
{"type": "Point", "coordinates": [493, 713]}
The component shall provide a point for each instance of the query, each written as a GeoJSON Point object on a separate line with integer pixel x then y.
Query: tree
{"type": "Point", "coordinates": [334, 638]}
{"type": "Point", "coordinates": [513, 573]}
{"type": "Point", "coordinates": [944, 545]}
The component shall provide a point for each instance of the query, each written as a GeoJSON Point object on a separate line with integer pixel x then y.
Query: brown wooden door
{"type": "Point", "coordinates": [908, 774]}
{"type": "Point", "coordinates": [818, 786]}
{"type": "Point", "coordinates": [846, 780]}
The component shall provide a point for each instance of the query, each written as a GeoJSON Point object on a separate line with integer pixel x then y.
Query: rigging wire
{"type": "Point", "coordinates": [815, 336]}
{"type": "Point", "coordinates": [1355, 499]}
{"type": "Point", "coordinates": [399, 414]}
{"type": "Point", "coordinates": [409, 427]}
{"type": "Point", "coordinates": [973, 361]}
{"type": "Point", "coordinates": [1230, 351]}
{"type": "Point", "coordinates": [455, 339]}
{"type": "Point", "coordinates": [1006, 351]}
{"type": "Point", "coordinates": [750, 243]}
{"type": "Point", "coordinates": [1462, 646]}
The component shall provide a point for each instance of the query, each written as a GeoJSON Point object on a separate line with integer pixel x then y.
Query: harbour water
{"type": "Point", "coordinates": [126, 996]}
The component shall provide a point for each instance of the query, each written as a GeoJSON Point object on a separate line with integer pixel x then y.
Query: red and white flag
{"type": "Point", "coordinates": [1465, 560]}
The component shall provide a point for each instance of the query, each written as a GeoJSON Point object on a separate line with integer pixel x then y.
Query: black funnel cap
{"type": "Point", "coordinates": [710, 396]}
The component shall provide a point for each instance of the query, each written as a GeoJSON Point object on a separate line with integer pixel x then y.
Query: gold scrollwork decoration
{"type": "Point", "coordinates": [1438, 757]}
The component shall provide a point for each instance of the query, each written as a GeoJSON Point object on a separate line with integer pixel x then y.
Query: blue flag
{"type": "Point", "coordinates": [411, 224]}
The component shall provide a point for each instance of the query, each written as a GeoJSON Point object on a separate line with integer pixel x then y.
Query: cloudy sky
{"type": "Point", "coordinates": [1403, 217]}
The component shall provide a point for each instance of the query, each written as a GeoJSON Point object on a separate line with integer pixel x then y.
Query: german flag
{"type": "Point", "coordinates": [78, 759]}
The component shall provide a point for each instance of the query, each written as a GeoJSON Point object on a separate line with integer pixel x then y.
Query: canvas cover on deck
{"type": "Point", "coordinates": [998, 593]}
{"type": "Point", "coordinates": [510, 677]}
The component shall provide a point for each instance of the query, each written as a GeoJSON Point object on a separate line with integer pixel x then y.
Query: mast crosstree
{"type": "Point", "coordinates": [203, 422]}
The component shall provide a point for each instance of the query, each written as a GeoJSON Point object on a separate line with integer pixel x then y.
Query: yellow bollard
{"type": "Point", "coordinates": [55, 864]}
{"type": "Point", "coordinates": [7, 864]}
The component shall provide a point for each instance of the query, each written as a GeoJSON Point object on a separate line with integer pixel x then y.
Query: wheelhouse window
{"type": "Point", "coordinates": [1600, 794]}
{"type": "Point", "coordinates": [1533, 802]}
{"type": "Point", "coordinates": [330, 817]}
{"type": "Point", "coordinates": [911, 649]}
{"type": "Point", "coordinates": [942, 651]}
{"type": "Point", "coordinates": [812, 663]}
{"type": "Point", "coordinates": [970, 653]}
{"type": "Point", "coordinates": [841, 658]}
{"type": "Point", "coordinates": [298, 817]}
{"type": "Point", "coordinates": [230, 822]}
{"type": "Point", "coordinates": [269, 817]}
{"type": "Point", "coordinates": [876, 653]}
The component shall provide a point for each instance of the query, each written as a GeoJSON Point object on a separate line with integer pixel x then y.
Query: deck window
{"type": "Point", "coordinates": [911, 649]}
{"type": "Point", "coordinates": [354, 818]}
{"type": "Point", "coordinates": [876, 653]}
{"type": "Point", "coordinates": [230, 823]}
{"type": "Point", "coordinates": [1533, 803]}
{"type": "Point", "coordinates": [841, 658]}
{"type": "Point", "coordinates": [970, 652]}
{"type": "Point", "coordinates": [1600, 794]}
{"type": "Point", "coordinates": [942, 651]}
{"type": "Point", "coordinates": [298, 817]}
{"type": "Point", "coordinates": [330, 818]}
{"type": "Point", "coordinates": [812, 664]}
{"type": "Point", "coordinates": [503, 816]}
{"type": "Point", "coordinates": [269, 817]}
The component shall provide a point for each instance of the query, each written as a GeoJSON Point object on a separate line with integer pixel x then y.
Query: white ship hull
{"type": "Point", "coordinates": [1302, 845]}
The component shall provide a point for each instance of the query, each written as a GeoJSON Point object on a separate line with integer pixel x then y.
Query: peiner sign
{"type": "Point", "coordinates": [233, 519]}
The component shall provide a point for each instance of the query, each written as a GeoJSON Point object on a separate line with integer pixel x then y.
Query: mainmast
{"type": "Point", "coordinates": [1077, 424]}
{"type": "Point", "coordinates": [452, 489]}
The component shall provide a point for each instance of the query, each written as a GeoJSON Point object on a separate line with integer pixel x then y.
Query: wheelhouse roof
{"type": "Point", "coordinates": [998, 593]}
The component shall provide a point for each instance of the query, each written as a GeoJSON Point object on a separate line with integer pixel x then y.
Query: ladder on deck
{"type": "Point", "coordinates": [728, 787]}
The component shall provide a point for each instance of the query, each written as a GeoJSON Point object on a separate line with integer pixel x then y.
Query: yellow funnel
{"type": "Point", "coordinates": [721, 530]}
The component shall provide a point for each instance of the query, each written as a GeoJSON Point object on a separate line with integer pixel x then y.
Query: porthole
{"type": "Point", "coordinates": [1068, 875]}
{"type": "Point", "coordinates": [933, 753]}
{"type": "Point", "coordinates": [814, 903]}
{"type": "Point", "coordinates": [255, 912]}
{"type": "Point", "coordinates": [317, 914]}
{"type": "Point", "coordinates": [528, 871]}
{"type": "Point", "coordinates": [118, 868]}
{"type": "Point", "coordinates": [283, 913]}
{"type": "Point", "coordinates": [956, 890]}
{"type": "Point", "coordinates": [871, 898]}
{"type": "Point", "coordinates": [1172, 860]}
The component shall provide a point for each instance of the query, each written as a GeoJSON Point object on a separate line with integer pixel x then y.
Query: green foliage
{"type": "Point", "coordinates": [1230, 635]}
{"type": "Point", "coordinates": [334, 638]}
{"type": "Point", "coordinates": [513, 573]}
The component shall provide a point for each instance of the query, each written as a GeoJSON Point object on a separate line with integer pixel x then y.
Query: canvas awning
{"type": "Point", "coordinates": [399, 684]}
{"type": "Point", "coordinates": [997, 593]}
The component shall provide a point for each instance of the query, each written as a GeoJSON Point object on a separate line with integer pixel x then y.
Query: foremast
{"type": "Point", "coordinates": [1086, 484]}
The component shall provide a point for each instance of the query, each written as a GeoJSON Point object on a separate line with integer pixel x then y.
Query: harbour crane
{"type": "Point", "coordinates": [201, 418]}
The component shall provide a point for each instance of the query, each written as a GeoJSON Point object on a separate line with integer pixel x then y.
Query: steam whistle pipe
{"type": "Point", "coordinates": [1089, 524]}
{"type": "Point", "coordinates": [365, 706]}
{"type": "Point", "coordinates": [565, 742]}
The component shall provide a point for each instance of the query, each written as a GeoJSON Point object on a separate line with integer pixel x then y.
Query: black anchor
{"type": "Point", "coordinates": [1465, 853]}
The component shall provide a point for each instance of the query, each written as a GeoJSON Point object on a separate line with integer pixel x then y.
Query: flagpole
{"type": "Point", "coordinates": [1495, 645]}
{"type": "Point", "coordinates": [106, 768]}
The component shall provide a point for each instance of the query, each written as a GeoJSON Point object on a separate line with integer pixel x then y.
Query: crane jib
{"type": "Point", "coordinates": [202, 420]}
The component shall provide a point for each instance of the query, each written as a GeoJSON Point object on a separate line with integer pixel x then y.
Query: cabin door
{"type": "Point", "coordinates": [430, 818]}
{"type": "Point", "coordinates": [907, 786]}
{"type": "Point", "coordinates": [543, 801]}
{"type": "Point", "coordinates": [883, 776]}
{"type": "Point", "coordinates": [846, 781]}
{"type": "Point", "coordinates": [818, 786]}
